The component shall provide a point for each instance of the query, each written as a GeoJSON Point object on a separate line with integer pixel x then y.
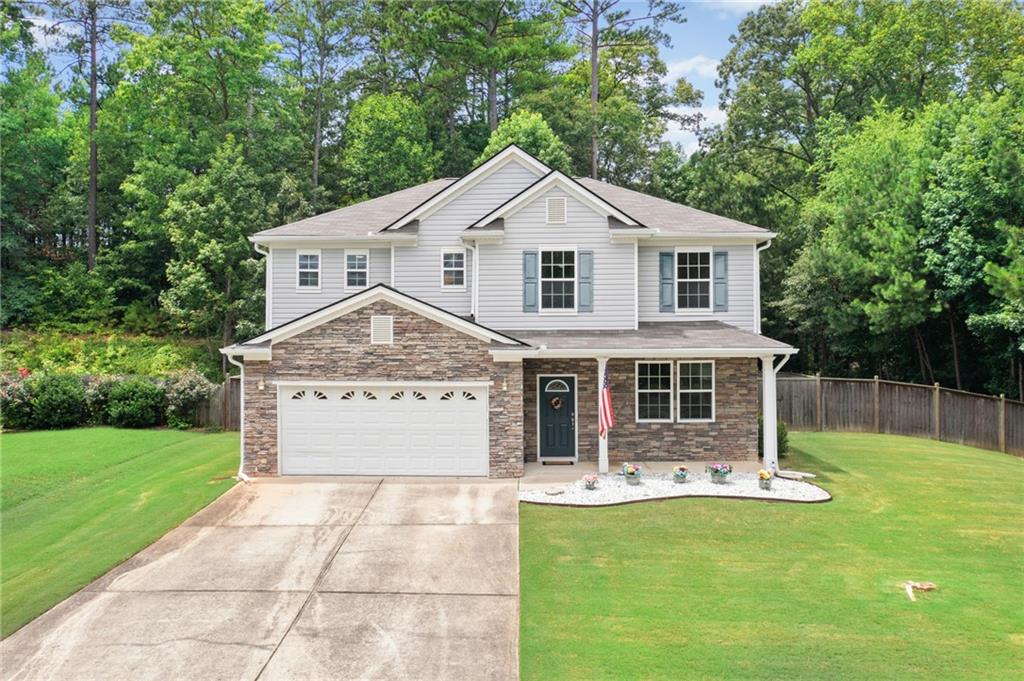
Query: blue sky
{"type": "Point", "coordinates": [697, 47]}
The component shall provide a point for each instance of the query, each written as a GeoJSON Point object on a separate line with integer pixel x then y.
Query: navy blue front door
{"type": "Point", "coordinates": [556, 400]}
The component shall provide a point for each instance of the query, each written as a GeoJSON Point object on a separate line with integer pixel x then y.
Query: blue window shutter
{"type": "Point", "coordinates": [529, 281]}
{"type": "Point", "coordinates": [666, 269]}
{"type": "Point", "coordinates": [721, 281]}
{"type": "Point", "coordinates": [586, 264]}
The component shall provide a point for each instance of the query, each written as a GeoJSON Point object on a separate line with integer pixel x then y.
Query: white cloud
{"type": "Point", "coordinates": [699, 65]}
{"type": "Point", "coordinates": [732, 8]}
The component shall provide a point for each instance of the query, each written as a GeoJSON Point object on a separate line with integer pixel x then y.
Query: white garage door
{"type": "Point", "coordinates": [393, 429]}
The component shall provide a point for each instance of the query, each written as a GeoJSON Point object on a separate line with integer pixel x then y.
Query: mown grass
{"type": "Point", "coordinates": [704, 588]}
{"type": "Point", "coordinates": [75, 503]}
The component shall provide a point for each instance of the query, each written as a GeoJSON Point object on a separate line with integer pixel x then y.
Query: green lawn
{"type": "Point", "coordinates": [75, 503]}
{"type": "Point", "coordinates": [703, 588]}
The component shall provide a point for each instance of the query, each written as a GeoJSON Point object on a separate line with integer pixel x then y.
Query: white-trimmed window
{"type": "Point", "coordinates": [693, 279]}
{"type": "Point", "coordinates": [357, 268]}
{"type": "Point", "coordinates": [558, 280]}
{"type": "Point", "coordinates": [453, 268]}
{"type": "Point", "coordinates": [654, 391]}
{"type": "Point", "coordinates": [307, 270]}
{"type": "Point", "coordinates": [696, 396]}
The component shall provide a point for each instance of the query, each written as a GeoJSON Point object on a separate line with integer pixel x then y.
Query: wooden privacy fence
{"type": "Point", "coordinates": [878, 406]}
{"type": "Point", "coordinates": [224, 408]}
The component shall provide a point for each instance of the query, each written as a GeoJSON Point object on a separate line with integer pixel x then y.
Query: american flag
{"type": "Point", "coordinates": [606, 420]}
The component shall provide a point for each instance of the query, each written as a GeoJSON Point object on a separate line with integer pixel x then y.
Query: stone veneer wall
{"type": "Point", "coordinates": [732, 436]}
{"type": "Point", "coordinates": [424, 350]}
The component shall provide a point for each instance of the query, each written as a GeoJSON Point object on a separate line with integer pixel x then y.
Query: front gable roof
{"type": "Point", "coordinates": [510, 154]}
{"type": "Point", "coordinates": [259, 347]}
{"type": "Point", "coordinates": [555, 179]}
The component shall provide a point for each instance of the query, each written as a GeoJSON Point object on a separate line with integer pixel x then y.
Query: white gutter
{"type": "Point", "coordinates": [619, 353]}
{"type": "Point", "coordinates": [757, 284]}
{"type": "Point", "coordinates": [473, 293]}
{"type": "Point", "coordinates": [241, 419]}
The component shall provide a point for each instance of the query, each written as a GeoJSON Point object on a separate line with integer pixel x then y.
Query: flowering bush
{"type": "Point", "coordinates": [719, 468]}
{"type": "Point", "coordinates": [185, 392]}
{"type": "Point", "coordinates": [97, 398]}
{"type": "Point", "coordinates": [631, 469]}
{"type": "Point", "coordinates": [764, 475]}
{"type": "Point", "coordinates": [15, 402]}
{"type": "Point", "coordinates": [590, 481]}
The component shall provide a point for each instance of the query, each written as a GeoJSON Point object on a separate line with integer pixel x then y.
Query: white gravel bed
{"type": "Point", "coordinates": [613, 489]}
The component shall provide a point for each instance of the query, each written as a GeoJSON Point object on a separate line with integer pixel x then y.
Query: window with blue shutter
{"type": "Point", "coordinates": [721, 281]}
{"type": "Point", "coordinates": [529, 281]}
{"type": "Point", "coordinates": [666, 275]}
{"type": "Point", "coordinates": [586, 265]}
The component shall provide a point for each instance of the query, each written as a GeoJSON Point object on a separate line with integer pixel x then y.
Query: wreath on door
{"type": "Point", "coordinates": [556, 403]}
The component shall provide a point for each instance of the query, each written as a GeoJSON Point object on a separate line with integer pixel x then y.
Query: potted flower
{"type": "Point", "coordinates": [719, 472]}
{"type": "Point", "coordinates": [590, 481]}
{"type": "Point", "coordinates": [632, 473]}
{"type": "Point", "coordinates": [764, 479]}
{"type": "Point", "coordinates": [680, 473]}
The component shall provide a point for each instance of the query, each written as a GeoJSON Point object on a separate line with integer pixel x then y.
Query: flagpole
{"type": "Point", "coordinates": [602, 441]}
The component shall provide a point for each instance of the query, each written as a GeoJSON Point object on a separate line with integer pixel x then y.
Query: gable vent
{"type": "Point", "coordinates": [382, 330]}
{"type": "Point", "coordinates": [556, 210]}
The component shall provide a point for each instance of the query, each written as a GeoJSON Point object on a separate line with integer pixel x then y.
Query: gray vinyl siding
{"type": "Point", "coordinates": [418, 268]}
{"type": "Point", "coordinates": [501, 267]}
{"type": "Point", "coordinates": [741, 288]}
{"type": "Point", "coordinates": [287, 302]}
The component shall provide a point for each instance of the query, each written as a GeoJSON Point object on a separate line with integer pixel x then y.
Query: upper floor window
{"type": "Point", "coordinates": [453, 268]}
{"type": "Point", "coordinates": [357, 269]}
{"type": "Point", "coordinates": [696, 391]}
{"type": "Point", "coordinates": [693, 280]}
{"type": "Point", "coordinates": [308, 270]}
{"type": "Point", "coordinates": [558, 280]}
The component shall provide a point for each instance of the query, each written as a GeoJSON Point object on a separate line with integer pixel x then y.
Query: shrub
{"type": "Point", "coordinates": [97, 398]}
{"type": "Point", "coordinates": [185, 392]}
{"type": "Point", "coordinates": [58, 401]}
{"type": "Point", "coordinates": [135, 403]}
{"type": "Point", "coordinates": [781, 437]}
{"type": "Point", "coordinates": [15, 402]}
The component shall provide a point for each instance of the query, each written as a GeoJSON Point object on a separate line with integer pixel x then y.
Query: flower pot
{"type": "Point", "coordinates": [632, 479]}
{"type": "Point", "coordinates": [765, 484]}
{"type": "Point", "coordinates": [680, 477]}
{"type": "Point", "coordinates": [719, 478]}
{"type": "Point", "coordinates": [590, 485]}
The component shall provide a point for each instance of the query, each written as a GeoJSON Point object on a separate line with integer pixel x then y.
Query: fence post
{"type": "Point", "coordinates": [1002, 422]}
{"type": "Point", "coordinates": [878, 408]}
{"type": "Point", "coordinates": [818, 420]}
{"type": "Point", "coordinates": [936, 413]}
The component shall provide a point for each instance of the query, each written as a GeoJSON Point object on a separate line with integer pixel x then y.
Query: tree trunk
{"type": "Point", "coordinates": [317, 131]}
{"type": "Point", "coordinates": [93, 162]}
{"type": "Point", "coordinates": [594, 35]}
{"type": "Point", "coordinates": [956, 352]}
{"type": "Point", "coordinates": [920, 355]}
{"type": "Point", "coordinates": [492, 98]}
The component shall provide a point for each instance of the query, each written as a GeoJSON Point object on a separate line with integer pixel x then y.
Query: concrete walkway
{"type": "Point", "coordinates": [302, 578]}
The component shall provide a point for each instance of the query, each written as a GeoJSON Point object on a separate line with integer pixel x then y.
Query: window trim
{"type": "Point", "coordinates": [356, 251]}
{"type": "Point", "coordinates": [574, 310]}
{"type": "Point", "coordinates": [464, 268]}
{"type": "Point", "coordinates": [713, 391]}
{"type": "Point", "coordinates": [671, 391]}
{"type": "Point", "coordinates": [319, 270]}
{"type": "Point", "coordinates": [711, 279]}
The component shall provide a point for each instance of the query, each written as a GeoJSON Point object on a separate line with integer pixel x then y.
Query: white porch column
{"type": "Point", "coordinates": [768, 413]}
{"type": "Point", "coordinates": [602, 442]}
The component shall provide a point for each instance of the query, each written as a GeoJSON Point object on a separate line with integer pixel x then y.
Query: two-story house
{"type": "Point", "coordinates": [467, 326]}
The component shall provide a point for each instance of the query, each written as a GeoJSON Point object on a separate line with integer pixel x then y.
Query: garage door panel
{"type": "Point", "coordinates": [391, 430]}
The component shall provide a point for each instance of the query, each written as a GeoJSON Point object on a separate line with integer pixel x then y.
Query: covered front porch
{"type": "Point", "coordinates": [681, 392]}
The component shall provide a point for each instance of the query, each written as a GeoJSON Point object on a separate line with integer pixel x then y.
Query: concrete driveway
{"type": "Point", "coordinates": [302, 579]}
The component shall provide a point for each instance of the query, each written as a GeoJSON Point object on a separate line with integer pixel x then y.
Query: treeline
{"type": "Point", "coordinates": [881, 141]}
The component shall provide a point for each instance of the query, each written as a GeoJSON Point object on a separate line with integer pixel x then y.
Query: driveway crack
{"type": "Point", "coordinates": [319, 579]}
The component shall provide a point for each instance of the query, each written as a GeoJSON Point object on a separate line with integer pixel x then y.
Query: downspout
{"type": "Point", "coordinates": [241, 420]}
{"type": "Point", "coordinates": [474, 249]}
{"type": "Point", "coordinates": [757, 284]}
